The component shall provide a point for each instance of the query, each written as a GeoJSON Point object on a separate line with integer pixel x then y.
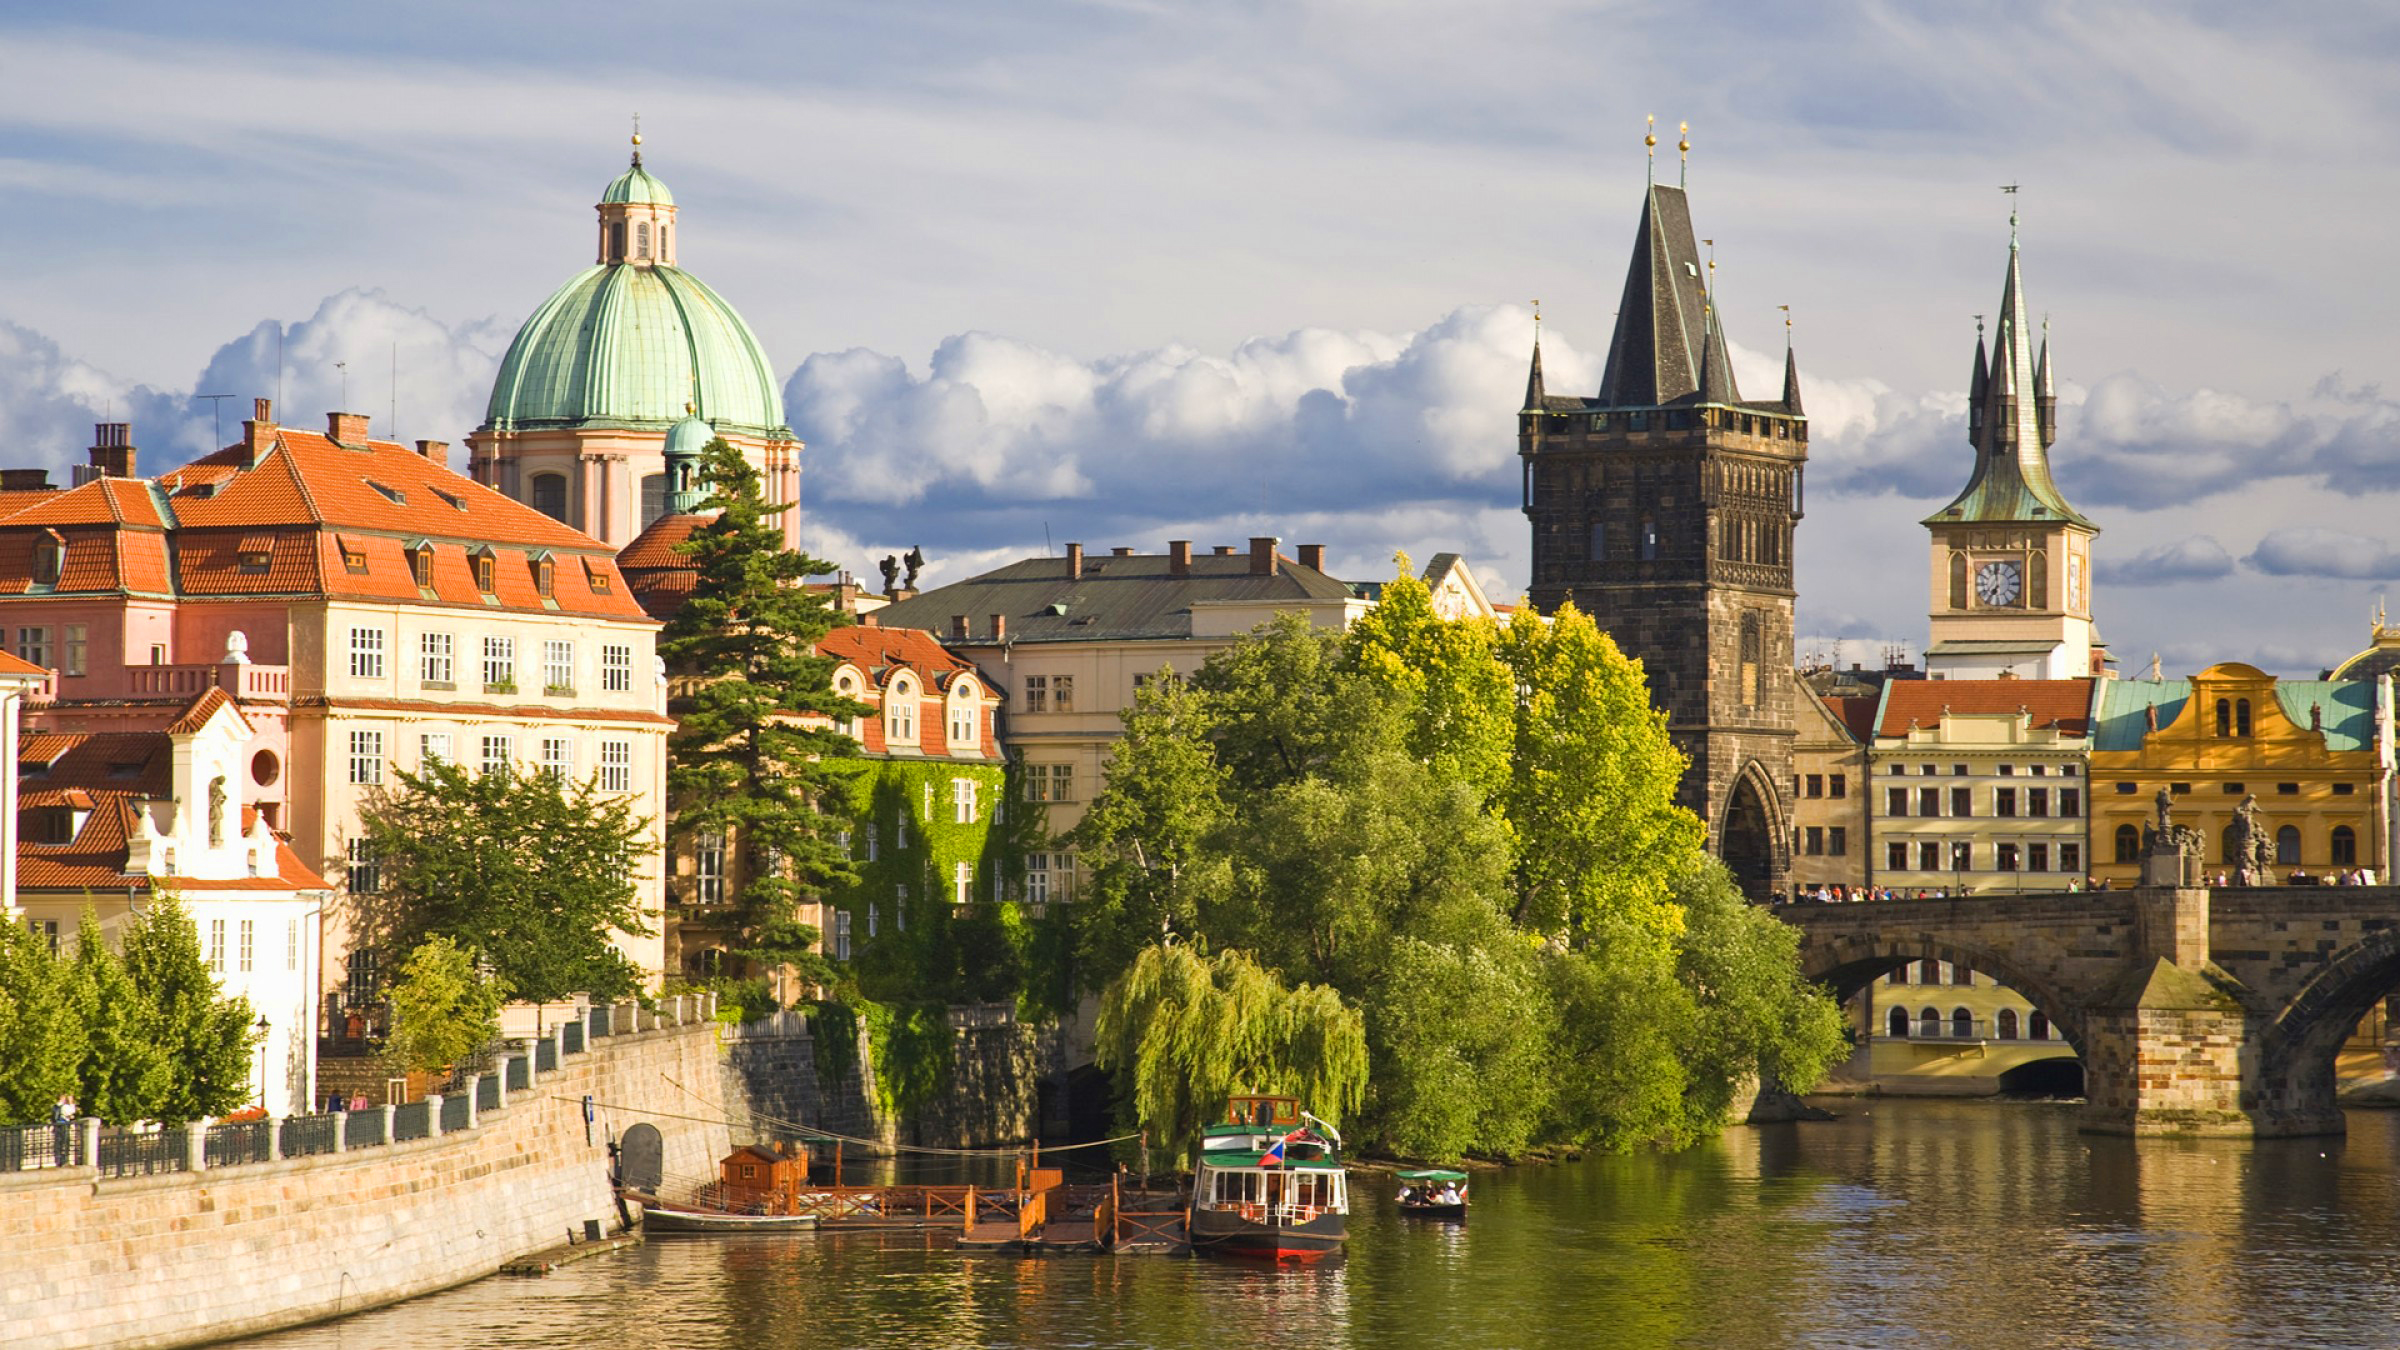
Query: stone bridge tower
{"type": "Point", "coordinates": [1664, 508]}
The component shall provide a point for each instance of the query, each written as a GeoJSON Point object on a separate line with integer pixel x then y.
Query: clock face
{"type": "Point", "coordinates": [1997, 583]}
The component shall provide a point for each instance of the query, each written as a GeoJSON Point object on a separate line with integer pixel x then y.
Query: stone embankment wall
{"type": "Point", "coordinates": [187, 1258]}
{"type": "Point", "coordinates": [771, 1082]}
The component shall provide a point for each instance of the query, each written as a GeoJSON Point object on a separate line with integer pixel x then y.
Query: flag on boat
{"type": "Point", "coordinates": [1273, 1157]}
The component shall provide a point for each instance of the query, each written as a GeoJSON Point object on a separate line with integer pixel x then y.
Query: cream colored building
{"type": "Point", "coordinates": [1932, 1028]}
{"type": "Point", "coordinates": [1830, 837]}
{"type": "Point", "coordinates": [1981, 786]}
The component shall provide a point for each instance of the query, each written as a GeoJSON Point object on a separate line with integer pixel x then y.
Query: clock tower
{"type": "Point", "coordinates": [2011, 561]}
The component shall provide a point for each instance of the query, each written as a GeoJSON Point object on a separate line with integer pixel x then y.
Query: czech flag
{"type": "Point", "coordinates": [1273, 1157]}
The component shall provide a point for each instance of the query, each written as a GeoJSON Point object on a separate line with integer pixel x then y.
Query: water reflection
{"type": "Point", "coordinates": [1900, 1224]}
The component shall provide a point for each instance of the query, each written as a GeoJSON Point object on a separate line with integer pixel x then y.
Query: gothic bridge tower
{"type": "Point", "coordinates": [1664, 508]}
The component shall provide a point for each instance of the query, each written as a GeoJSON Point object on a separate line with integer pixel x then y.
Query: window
{"type": "Point", "coordinates": [354, 558]}
{"type": "Point", "coordinates": [1753, 673]}
{"type": "Point", "coordinates": [1898, 975]}
{"type": "Point", "coordinates": [1929, 856]}
{"type": "Point", "coordinates": [2345, 846]}
{"type": "Point", "coordinates": [487, 572]}
{"type": "Point", "coordinates": [1898, 1024]}
{"type": "Point", "coordinates": [247, 955]}
{"type": "Point", "coordinates": [1062, 782]}
{"type": "Point", "coordinates": [2004, 802]}
{"type": "Point", "coordinates": [641, 239]}
{"type": "Point", "coordinates": [48, 557]}
{"type": "Point", "coordinates": [558, 667]}
{"type": "Point", "coordinates": [1962, 857]}
{"type": "Point", "coordinates": [1062, 693]}
{"type": "Point", "coordinates": [1649, 537]}
{"type": "Point", "coordinates": [1929, 1024]}
{"type": "Point", "coordinates": [708, 868]}
{"type": "Point", "coordinates": [2128, 789]}
{"type": "Point", "coordinates": [366, 757]}
{"type": "Point", "coordinates": [2287, 844]}
{"type": "Point", "coordinates": [1962, 801]}
{"type": "Point", "coordinates": [962, 882]}
{"type": "Point", "coordinates": [1895, 801]}
{"type": "Point", "coordinates": [1595, 543]}
{"type": "Point", "coordinates": [1929, 801]}
{"type": "Point", "coordinates": [545, 574]}
{"type": "Point", "coordinates": [1899, 770]}
{"type": "Point", "coordinates": [433, 660]}
{"type": "Point", "coordinates": [1837, 841]}
{"type": "Point", "coordinates": [900, 832]}
{"type": "Point", "coordinates": [1816, 785]}
{"type": "Point", "coordinates": [962, 722]}
{"type": "Point", "coordinates": [216, 945]}
{"type": "Point", "coordinates": [2344, 789]}
{"type": "Point", "coordinates": [2037, 857]}
{"type": "Point", "coordinates": [2241, 717]}
{"type": "Point", "coordinates": [2129, 844]}
{"type": "Point", "coordinates": [841, 935]}
{"type": "Point", "coordinates": [1895, 856]}
{"type": "Point", "coordinates": [2008, 857]}
{"type": "Point", "coordinates": [78, 645]}
{"type": "Point", "coordinates": [2004, 1024]}
{"type": "Point", "coordinates": [900, 714]}
{"type": "Point", "coordinates": [366, 653]}
{"type": "Point", "coordinates": [1962, 1024]}
{"type": "Point", "coordinates": [558, 758]}
{"type": "Point", "coordinates": [2070, 802]}
{"type": "Point", "coordinates": [1956, 770]}
{"type": "Point", "coordinates": [962, 801]}
{"type": "Point", "coordinates": [1037, 693]}
{"type": "Point", "coordinates": [500, 665]}
{"type": "Point", "coordinates": [2037, 1027]}
{"type": "Point", "coordinates": [1037, 878]}
{"type": "Point", "coordinates": [550, 495]}
{"type": "Point", "coordinates": [291, 944]}
{"type": "Point", "coordinates": [1815, 846]}
{"type": "Point", "coordinates": [616, 667]}
{"type": "Point", "coordinates": [499, 753]}
{"type": "Point", "coordinates": [616, 767]}
{"type": "Point", "coordinates": [33, 646]}
{"type": "Point", "coordinates": [874, 914]}
{"type": "Point", "coordinates": [158, 653]}
{"type": "Point", "coordinates": [2037, 802]}
{"type": "Point", "coordinates": [2070, 857]}
{"type": "Point", "coordinates": [874, 841]}
{"type": "Point", "coordinates": [1837, 785]}
{"type": "Point", "coordinates": [433, 748]}
{"type": "Point", "coordinates": [1962, 976]}
{"type": "Point", "coordinates": [420, 565]}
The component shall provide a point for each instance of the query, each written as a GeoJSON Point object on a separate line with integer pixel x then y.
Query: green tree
{"type": "Point", "coordinates": [1184, 1031]}
{"type": "Point", "coordinates": [1448, 673]}
{"type": "Point", "coordinates": [41, 1031]}
{"type": "Point", "coordinates": [443, 1010]}
{"type": "Point", "coordinates": [124, 1075]}
{"type": "Point", "coordinates": [1757, 1017]}
{"type": "Point", "coordinates": [1144, 842]}
{"type": "Point", "coordinates": [1463, 1035]}
{"type": "Point", "coordinates": [529, 872]}
{"type": "Point", "coordinates": [742, 762]}
{"type": "Point", "coordinates": [206, 1040]}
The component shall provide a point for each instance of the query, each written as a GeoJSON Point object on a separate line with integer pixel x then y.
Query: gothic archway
{"type": "Point", "coordinates": [1751, 837]}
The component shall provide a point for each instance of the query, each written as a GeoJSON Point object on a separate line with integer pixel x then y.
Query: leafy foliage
{"type": "Point", "coordinates": [528, 872]}
{"type": "Point", "coordinates": [742, 763]}
{"type": "Point", "coordinates": [124, 1074]}
{"type": "Point", "coordinates": [443, 1010]}
{"type": "Point", "coordinates": [206, 1040]}
{"type": "Point", "coordinates": [41, 1027]}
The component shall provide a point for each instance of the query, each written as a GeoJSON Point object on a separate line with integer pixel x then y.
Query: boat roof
{"type": "Point", "coordinates": [1431, 1174]}
{"type": "Point", "coordinates": [1251, 1158]}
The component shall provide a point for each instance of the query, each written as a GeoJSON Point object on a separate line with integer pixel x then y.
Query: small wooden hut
{"type": "Point", "coordinates": [762, 1178]}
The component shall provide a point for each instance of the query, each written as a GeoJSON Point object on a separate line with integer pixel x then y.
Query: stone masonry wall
{"type": "Point", "coordinates": [188, 1258]}
{"type": "Point", "coordinates": [770, 1084]}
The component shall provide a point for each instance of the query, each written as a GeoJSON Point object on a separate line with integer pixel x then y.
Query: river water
{"type": "Point", "coordinates": [1903, 1223]}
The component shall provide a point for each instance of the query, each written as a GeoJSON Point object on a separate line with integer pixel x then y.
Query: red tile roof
{"type": "Point", "coordinates": [872, 647]}
{"type": "Point", "coordinates": [660, 578]}
{"type": "Point", "coordinates": [2065, 704]}
{"type": "Point", "coordinates": [106, 773]}
{"type": "Point", "coordinates": [12, 665]}
{"type": "Point", "coordinates": [1856, 713]}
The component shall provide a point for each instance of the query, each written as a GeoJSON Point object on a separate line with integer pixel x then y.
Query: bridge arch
{"type": "Point", "coordinates": [1848, 963]}
{"type": "Point", "coordinates": [1754, 834]}
{"type": "Point", "coordinates": [2308, 1033]}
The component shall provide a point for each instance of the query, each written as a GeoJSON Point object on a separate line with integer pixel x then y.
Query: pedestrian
{"type": "Point", "coordinates": [62, 1121]}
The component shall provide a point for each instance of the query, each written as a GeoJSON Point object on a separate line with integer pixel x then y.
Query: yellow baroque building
{"type": "Point", "coordinates": [2315, 754]}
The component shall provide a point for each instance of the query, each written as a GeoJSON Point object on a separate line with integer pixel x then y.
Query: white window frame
{"type": "Point", "coordinates": [216, 946]}
{"type": "Point", "coordinates": [247, 952]}
{"type": "Point", "coordinates": [366, 758]}
{"type": "Point", "coordinates": [616, 668]}
{"type": "Point", "coordinates": [558, 666]}
{"type": "Point", "coordinates": [366, 653]}
{"type": "Point", "coordinates": [499, 661]}
{"type": "Point", "coordinates": [558, 758]}
{"type": "Point", "coordinates": [75, 648]}
{"type": "Point", "coordinates": [434, 661]}
{"type": "Point", "coordinates": [433, 747]}
{"type": "Point", "coordinates": [616, 766]}
{"type": "Point", "coordinates": [499, 749]}
{"type": "Point", "coordinates": [900, 713]}
{"type": "Point", "coordinates": [962, 882]}
{"type": "Point", "coordinates": [291, 944]}
{"type": "Point", "coordinates": [1037, 878]}
{"type": "Point", "coordinates": [708, 868]}
{"type": "Point", "coordinates": [962, 801]}
{"type": "Point", "coordinates": [365, 873]}
{"type": "Point", "coordinates": [841, 935]}
{"type": "Point", "coordinates": [964, 720]}
{"type": "Point", "coordinates": [33, 646]}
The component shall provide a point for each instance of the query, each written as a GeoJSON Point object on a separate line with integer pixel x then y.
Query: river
{"type": "Point", "coordinates": [1903, 1223]}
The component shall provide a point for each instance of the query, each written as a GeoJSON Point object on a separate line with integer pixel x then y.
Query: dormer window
{"type": "Point", "coordinates": [354, 557]}
{"type": "Point", "coordinates": [420, 562]}
{"type": "Point", "coordinates": [487, 571]}
{"type": "Point", "coordinates": [393, 495]}
{"type": "Point", "coordinates": [900, 713]}
{"type": "Point", "coordinates": [49, 557]}
{"type": "Point", "coordinates": [456, 504]}
{"type": "Point", "coordinates": [545, 574]}
{"type": "Point", "coordinates": [596, 573]}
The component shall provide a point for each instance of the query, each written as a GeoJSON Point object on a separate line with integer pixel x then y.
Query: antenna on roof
{"type": "Point", "coordinates": [1047, 549]}
{"type": "Point", "coordinates": [216, 409]}
{"type": "Point", "coordinates": [394, 423]}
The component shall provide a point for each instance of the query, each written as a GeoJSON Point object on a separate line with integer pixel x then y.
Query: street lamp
{"type": "Point", "coordinates": [261, 1029]}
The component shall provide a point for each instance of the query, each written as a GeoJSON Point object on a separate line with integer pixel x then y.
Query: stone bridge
{"type": "Point", "coordinates": [2194, 1010]}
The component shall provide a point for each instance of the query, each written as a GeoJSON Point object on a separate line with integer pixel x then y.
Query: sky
{"type": "Point", "coordinates": [1121, 272]}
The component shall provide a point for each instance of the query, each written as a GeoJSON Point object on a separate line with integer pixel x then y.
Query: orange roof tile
{"type": "Point", "coordinates": [870, 647]}
{"type": "Point", "coordinates": [201, 710]}
{"type": "Point", "coordinates": [102, 501]}
{"type": "Point", "coordinates": [13, 665]}
{"type": "Point", "coordinates": [1856, 713]}
{"type": "Point", "coordinates": [2064, 704]}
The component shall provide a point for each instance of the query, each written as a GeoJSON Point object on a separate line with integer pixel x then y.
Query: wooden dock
{"type": "Point", "coordinates": [1052, 1218]}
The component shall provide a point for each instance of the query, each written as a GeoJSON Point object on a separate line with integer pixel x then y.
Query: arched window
{"type": "Point", "coordinates": [1899, 1024]}
{"type": "Point", "coordinates": [1596, 543]}
{"type": "Point", "coordinates": [1962, 1024]}
{"type": "Point", "coordinates": [2226, 846]}
{"type": "Point", "coordinates": [1649, 539]}
{"type": "Point", "coordinates": [900, 713]}
{"type": "Point", "coordinates": [1929, 1024]}
{"type": "Point", "coordinates": [616, 242]}
{"type": "Point", "coordinates": [654, 497]}
{"type": "Point", "coordinates": [2345, 846]}
{"type": "Point", "coordinates": [2129, 844]}
{"type": "Point", "coordinates": [2037, 1027]}
{"type": "Point", "coordinates": [641, 249]}
{"type": "Point", "coordinates": [1958, 581]}
{"type": "Point", "coordinates": [550, 495]}
{"type": "Point", "coordinates": [2241, 717]}
{"type": "Point", "coordinates": [2004, 1026]}
{"type": "Point", "coordinates": [2224, 717]}
{"type": "Point", "coordinates": [2287, 844]}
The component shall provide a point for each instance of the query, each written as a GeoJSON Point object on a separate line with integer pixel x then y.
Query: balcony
{"type": "Point", "coordinates": [251, 683]}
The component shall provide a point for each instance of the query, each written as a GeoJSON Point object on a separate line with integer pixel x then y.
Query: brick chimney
{"type": "Point", "coordinates": [1312, 556]}
{"type": "Point", "coordinates": [1262, 555]}
{"type": "Point", "coordinates": [437, 451]}
{"type": "Point", "coordinates": [1074, 562]}
{"type": "Point", "coordinates": [346, 428]}
{"type": "Point", "coordinates": [1224, 550]}
{"type": "Point", "coordinates": [1121, 551]}
{"type": "Point", "coordinates": [112, 450]}
{"type": "Point", "coordinates": [1179, 557]}
{"type": "Point", "coordinates": [868, 620]}
{"type": "Point", "coordinates": [999, 628]}
{"type": "Point", "coordinates": [24, 480]}
{"type": "Point", "coordinates": [259, 432]}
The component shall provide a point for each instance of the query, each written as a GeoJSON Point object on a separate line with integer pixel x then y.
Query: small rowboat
{"type": "Point", "coordinates": [665, 1216]}
{"type": "Point", "coordinates": [1433, 1193]}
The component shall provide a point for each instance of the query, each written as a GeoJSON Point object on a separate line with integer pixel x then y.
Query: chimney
{"type": "Point", "coordinates": [999, 628]}
{"type": "Point", "coordinates": [24, 480]}
{"type": "Point", "coordinates": [437, 451]}
{"type": "Point", "coordinates": [259, 432]}
{"type": "Point", "coordinates": [112, 450]}
{"type": "Point", "coordinates": [1312, 557]}
{"type": "Point", "coordinates": [958, 627]}
{"type": "Point", "coordinates": [1179, 557]}
{"type": "Point", "coordinates": [1224, 550]}
{"type": "Point", "coordinates": [346, 428]}
{"type": "Point", "coordinates": [868, 620]}
{"type": "Point", "coordinates": [1262, 555]}
{"type": "Point", "coordinates": [1074, 562]}
{"type": "Point", "coordinates": [1120, 551]}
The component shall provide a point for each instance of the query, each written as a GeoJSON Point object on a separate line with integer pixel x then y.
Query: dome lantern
{"type": "Point", "coordinates": [637, 217]}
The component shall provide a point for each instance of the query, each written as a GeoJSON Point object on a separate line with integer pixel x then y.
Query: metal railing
{"type": "Point", "coordinates": [129, 1153]}
{"type": "Point", "coordinates": [455, 1111]}
{"type": "Point", "coordinates": [365, 1129]}
{"type": "Point", "coordinates": [306, 1136]}
{"type": "Point", "coordinates": [518, 1078]}
{"type": "Point", "coordinates": [487, 1092]}
{"type": "Point", "coordinates": [1944, 1030]}
{"type": "Point", "coordinates": [236, 1143]}
{"type": "Point", "coordinates": [24, 1148]}
{"type": "Point", "coordinates": [412, 1121]}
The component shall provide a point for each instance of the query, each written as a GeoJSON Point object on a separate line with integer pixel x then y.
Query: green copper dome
{"type": "Point", "coordinates": [630, 345]}
{"type": "Point", "coordinates": [636, 187]}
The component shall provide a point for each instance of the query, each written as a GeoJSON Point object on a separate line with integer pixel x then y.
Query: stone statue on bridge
{"type": "Point", "coordinates": [2167, 840]}
{"type": "Point", "coordinates": [2247, 846]}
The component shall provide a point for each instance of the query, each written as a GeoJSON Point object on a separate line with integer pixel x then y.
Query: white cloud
{"type": "Point", "coordinates": [2198, 558]}
{"type": "Point", "coordinates": [2307, 551]}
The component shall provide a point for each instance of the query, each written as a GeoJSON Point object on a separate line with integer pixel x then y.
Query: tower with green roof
{"type": "Point", "coordinates": [580, 413]}
{"type": "Point", "coordinates": [2011, 560]}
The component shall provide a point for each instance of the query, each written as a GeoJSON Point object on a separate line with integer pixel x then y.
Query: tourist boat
{"type": "Point", "coordinates": [666, 1216]}
{"type": "Point", "coordinates": [1433, 1193]}
{"type": "Point", "coordinates": [1267, 1186]}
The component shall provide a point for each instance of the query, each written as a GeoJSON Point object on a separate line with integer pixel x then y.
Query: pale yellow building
{"type": "Point", "coordinates": [1980, 786]}
{"type": "Point", "coordinates": [1830, 837]}
{"type": "Point", "coordinates": [1932, 1028]}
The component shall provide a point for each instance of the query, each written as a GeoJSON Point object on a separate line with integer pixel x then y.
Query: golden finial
{"type": "Point", "coordinates": [1650, 134]}
{"type": "Point", "coordinates": [1684, 130]}
{"type": "Point", "coordinates": [1537, 319]}
{"type": "Point", "coordinates": [1787, 326]}
{"type": "Point", "coordinates": [637, 128]}
{"type": "Point", "coordinates": [1683, 154]}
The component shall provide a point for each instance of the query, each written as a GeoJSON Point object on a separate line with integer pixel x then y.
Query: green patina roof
{"type": "Point", "coordinates": [636, 187]}
{"type": "Point", "coordinates": [1254, 1158]}
{"type": "Point", "coordinates": [2348, 705]}
{"type": "Point", "coordinates": [626, 345]}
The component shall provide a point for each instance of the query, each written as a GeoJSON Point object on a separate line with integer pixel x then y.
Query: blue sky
{"type": "Point", "coordinates": [1124, 271]}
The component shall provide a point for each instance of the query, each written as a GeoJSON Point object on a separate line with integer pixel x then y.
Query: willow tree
{"type": "Point", "coordinates": [1184, 1030]}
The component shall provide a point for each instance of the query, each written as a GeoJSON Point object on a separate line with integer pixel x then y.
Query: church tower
{"type": "Point", "coordinates": [1664, 508]}
{"type": "Point", "coordinates": [2011, 561]}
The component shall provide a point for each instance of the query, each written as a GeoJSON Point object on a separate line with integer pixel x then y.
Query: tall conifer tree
{"type": "Point", "coordinates": [742, 764]}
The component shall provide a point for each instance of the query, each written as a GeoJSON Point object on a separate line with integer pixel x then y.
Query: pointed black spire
{"type": "Point", "coordinates": [1978, 387]}
{"type": "Point", "coordinates": [1716, 368]}
{"type": "Point", "coordinates": [1533, 378]}
{"type": "Point", "coordinates": [1656, 353]}
{"type": "Point", "coordinates": [1791, 383]}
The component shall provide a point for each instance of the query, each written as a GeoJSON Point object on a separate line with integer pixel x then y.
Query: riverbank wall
{"type": "Point", "coordinates": [191, 1257]}
{"type": "Point", "coordinates": [991, 1095]}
